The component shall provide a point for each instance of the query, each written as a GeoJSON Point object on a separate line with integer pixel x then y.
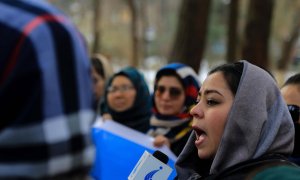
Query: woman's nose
{"type": "Point", "coordinates": [197, 111]}
{"type": "Point", "coordinates": [166, 95]}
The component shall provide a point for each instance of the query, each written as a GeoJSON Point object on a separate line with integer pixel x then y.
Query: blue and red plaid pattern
{"type": "Point", "coordinates": [45, 93]}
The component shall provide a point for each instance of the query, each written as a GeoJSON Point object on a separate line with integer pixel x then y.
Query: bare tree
{"type": "Point", "coordinates": [144, 25]}
{"type": "Point", "coordinates": [232, 31]}
{"type": "Point", "coordinates": [257, 32]}
{"type": "Point", "coordinates": [289, 46]}
{"type": "Point", "coordinates": [134, 33]}
{"type": "Point", "coordinates": [190, 39]}
{"type": "Point", "coordinates": [96, 26]}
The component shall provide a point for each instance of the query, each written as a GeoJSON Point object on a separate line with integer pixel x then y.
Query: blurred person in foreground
{"type": "Point", "coordinates": [175, 91]}
{"type": "Point", "coordinates": [45, 94]}
{"type": "Point", "coordinates": [291, 94]}
{"type": "Point", "coordinates": [127, 100]}
{"type": "Point", "coordinates": [101, 72]}
{"type": "Point", "coordinates": [242, 128]}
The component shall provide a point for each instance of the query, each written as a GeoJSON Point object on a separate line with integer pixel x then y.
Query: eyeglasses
{"type": "Point", "coordinates": [122, 89]}
{"type": "Point", "coordinates": [173, 91]}
{"type": "Point", "coordinates": [294, 111]}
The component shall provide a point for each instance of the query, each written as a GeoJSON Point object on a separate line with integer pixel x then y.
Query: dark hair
{"type": "Point", "coordinates": [295, 79]}
{"type": "Point", "coordinates": [96, 63]}
{"type": "Point", "coordinates": [232, 73]}
{"type": "Point", "coordinates": [168, 72]}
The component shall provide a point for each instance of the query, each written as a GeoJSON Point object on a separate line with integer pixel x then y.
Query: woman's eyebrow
{"type": "Point", "coordinates": [209, 91]}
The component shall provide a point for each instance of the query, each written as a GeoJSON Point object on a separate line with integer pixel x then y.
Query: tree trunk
{"type": "Point", "coordinates": [190, 39]}
{"type": "Point", "coordinates": [257, 32]}
{"type": "Point", "coordinates": [289, 47]}
{"type": "Point", "coordinates": [134, 33]}
{"type": "Point", "coordinates": [96, 26]}
{"type": "Point", "coordinates": [232, 42]}
{"type": "Point", "coordinates": [143, 45]}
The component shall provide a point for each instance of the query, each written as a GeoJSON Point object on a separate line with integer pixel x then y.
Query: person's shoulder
{"type": "Point", "coordinates": [273, 166]}
{"type": "Point", "coordinates": [279, 172]}
{"type": "Point", "coordinates": [252, 168]}
{"type": "Point", "coordinates": [28, 8]}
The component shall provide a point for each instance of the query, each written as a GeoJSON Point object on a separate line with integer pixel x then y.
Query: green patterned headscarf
{"type": "Point", "coordinates": [136, 117]}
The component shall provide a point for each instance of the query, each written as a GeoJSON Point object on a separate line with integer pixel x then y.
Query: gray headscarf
{"type": "Point", "coordinates": [258, 123]}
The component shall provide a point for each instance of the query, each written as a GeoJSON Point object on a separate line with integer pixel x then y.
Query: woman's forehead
{"type": "Point", "coordinates": [214, 82]}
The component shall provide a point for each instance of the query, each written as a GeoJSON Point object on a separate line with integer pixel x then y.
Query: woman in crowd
{"type": "Point", "coordinates": [241, 126]}
{"type": "Point", "coordinates": [291, 94]}
{"type": "Point", "coordinates": [101, 72]}
{"type": "Point", "coordinates": [127, 100]}
{"type": "Point", "coordinates": [175, 91]}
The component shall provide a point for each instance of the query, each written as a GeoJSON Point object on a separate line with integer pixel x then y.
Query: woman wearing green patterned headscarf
{"type": "Point", "coordinates": [127, 99]}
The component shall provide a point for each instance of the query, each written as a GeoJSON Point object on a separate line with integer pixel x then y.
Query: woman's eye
{"type": "Point", "coordinates": [211, 102]}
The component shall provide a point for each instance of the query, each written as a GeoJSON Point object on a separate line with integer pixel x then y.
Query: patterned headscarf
{"type": "Point", "coordinates": [136, 117]}
{"type": "Point", "coordinates": [191, 85]}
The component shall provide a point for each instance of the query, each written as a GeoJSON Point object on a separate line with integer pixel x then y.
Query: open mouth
{"type": "Point", "coordinates": [199, 132]}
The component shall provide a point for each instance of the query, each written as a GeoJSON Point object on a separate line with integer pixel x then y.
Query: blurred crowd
{"type": "Point", "coordinates": [237, 123]}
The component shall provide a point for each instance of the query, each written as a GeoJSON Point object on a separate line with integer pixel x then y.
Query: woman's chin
{"type": "Point", "coordinates": [204, 155]}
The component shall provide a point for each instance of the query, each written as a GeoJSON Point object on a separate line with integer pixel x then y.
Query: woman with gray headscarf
{"type": "Point", "coordinates": [241, 126]}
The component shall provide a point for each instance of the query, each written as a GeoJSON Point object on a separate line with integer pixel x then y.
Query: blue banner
{"type": "Point", "coordinates": [118, 149]}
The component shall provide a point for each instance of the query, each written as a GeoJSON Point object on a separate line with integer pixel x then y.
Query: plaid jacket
{"type": "Point", "coordinates": [45, 93]}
